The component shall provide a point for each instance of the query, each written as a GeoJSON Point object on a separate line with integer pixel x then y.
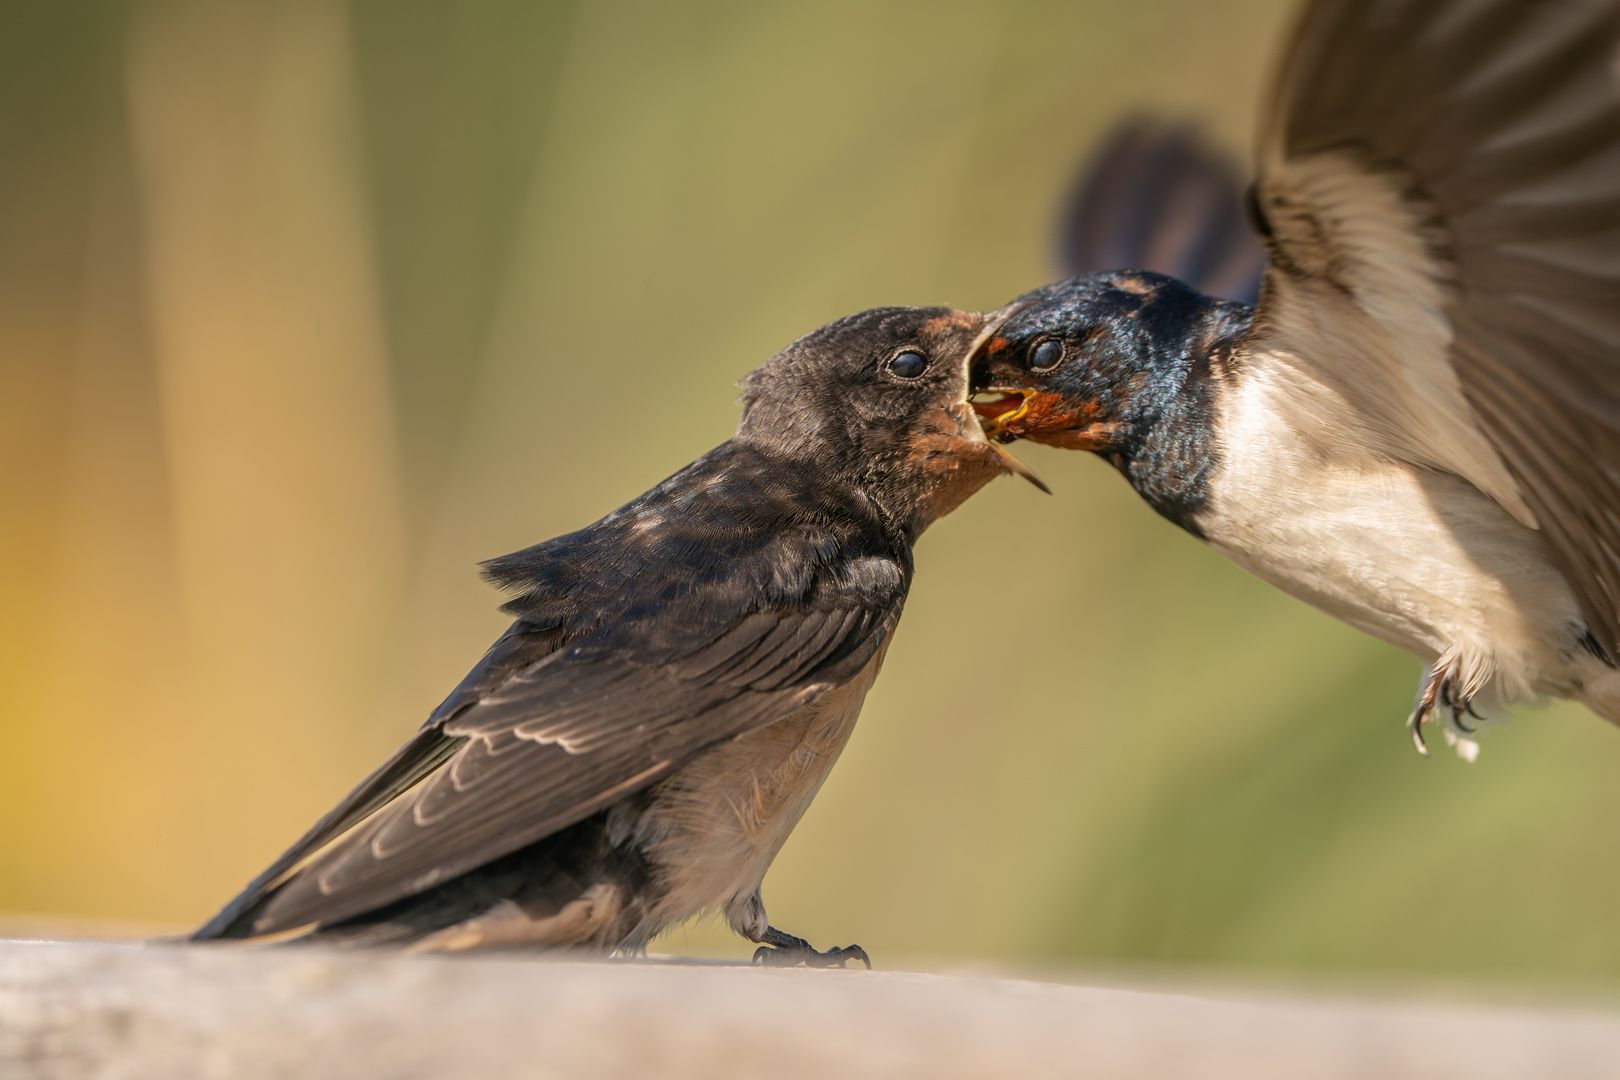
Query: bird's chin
{"type": "Point", "coordinates": [973, 430]}
{"type": "Point", "coordinates": [951, 471]}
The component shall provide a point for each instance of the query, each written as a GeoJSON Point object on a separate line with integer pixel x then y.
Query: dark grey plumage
{"type": "Point", "coordinates": [750, 594]}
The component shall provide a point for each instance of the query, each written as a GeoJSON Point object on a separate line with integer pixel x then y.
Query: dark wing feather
{"type": "Point", "coordinates": [418, 758]}
{"type": "Point", "coordinates": [1157, 196]}
{"type": "Point", "coordinates": [1502, 120]}
{"type": "Point", "coordinates": [421, 756]}
{"type": "Point", "coordinates": [720, 601]}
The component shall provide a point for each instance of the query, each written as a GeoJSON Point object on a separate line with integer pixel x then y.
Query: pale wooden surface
{"type": "Point", "coordinates": [127, 1011]}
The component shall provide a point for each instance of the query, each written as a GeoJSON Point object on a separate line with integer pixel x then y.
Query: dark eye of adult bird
{"type": "Point", "coordinates": [1046, 355]}
{"type": "Point", "coordinates": [909, 364]}
{"type": "Point", "coordinates": [679, 679]}
{"type": "Point", "coordinates": [1417, 429]}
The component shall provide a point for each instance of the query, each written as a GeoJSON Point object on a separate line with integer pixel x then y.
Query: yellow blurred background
{"type": "Point", "coordinates": [307, 306]}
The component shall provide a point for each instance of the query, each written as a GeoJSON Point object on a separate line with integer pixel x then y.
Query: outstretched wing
{"type": "Point", "coordinates": [640, 642]}
{"type": "Point", "coordinates": [1441, 182]}
{"type": "Point", "coordinates": [1157, 196]}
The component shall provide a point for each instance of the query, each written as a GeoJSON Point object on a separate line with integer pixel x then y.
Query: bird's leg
{"type": "Point", "coordinates": [785, 950]}
{"type": "Point", "coordinates": [1442, 688]}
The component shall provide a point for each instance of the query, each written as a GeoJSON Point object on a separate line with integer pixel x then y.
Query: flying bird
{"type": "Point", "coordinates": [1417, 428]}
{"type": "Point", "coordinates": [679, 680]}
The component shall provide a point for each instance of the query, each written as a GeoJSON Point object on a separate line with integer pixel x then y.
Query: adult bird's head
{"type": "Point", "coordinates": [880, 399]}
{"type": "Point", "coordinates": [1120, 363]}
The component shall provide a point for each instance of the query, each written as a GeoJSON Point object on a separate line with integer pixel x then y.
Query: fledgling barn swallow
{"type": "Point", "coordinates": [679, 679]}
{"type": "Point", "coordinates": [1417, 429]}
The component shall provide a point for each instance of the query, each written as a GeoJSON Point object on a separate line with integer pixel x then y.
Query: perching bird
{"type": "Point", "coordinates": [681, 676]}
{"type": "Point", "coordinates": [1417, 429]}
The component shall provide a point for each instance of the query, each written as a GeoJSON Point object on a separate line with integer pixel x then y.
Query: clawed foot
{"type": "Point", "coordinates": [1440, 691]}
{"type": "Point", "coordinates": [785, 950]}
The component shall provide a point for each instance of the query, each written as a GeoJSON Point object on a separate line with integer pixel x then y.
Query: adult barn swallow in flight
{"type": "Point", "coordinates": [1417, 429]}
{"type": "Point", "coordinates": [679, 679]}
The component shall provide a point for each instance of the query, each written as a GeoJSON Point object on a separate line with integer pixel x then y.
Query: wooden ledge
{"type": "Point", "coordinates": [71, 1010]}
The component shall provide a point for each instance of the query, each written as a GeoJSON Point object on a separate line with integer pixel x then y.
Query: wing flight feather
{"type": "Point", "coordinates": [1441, 182]}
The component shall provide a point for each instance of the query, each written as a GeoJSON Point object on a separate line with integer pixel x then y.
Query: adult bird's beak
{"type": "Point", "coordinates": [992, 323]}
{"type": "Point", "coordinates": [997, 408]}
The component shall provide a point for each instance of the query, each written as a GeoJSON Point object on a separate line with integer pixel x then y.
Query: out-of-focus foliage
{"type": "Point", "coordinates": [307, 306]}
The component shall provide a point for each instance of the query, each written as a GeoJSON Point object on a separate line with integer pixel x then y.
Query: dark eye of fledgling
{"type": "Point", "coordinates": [1046, 356]}
{"type": "Point", "coordinates": [909, 364]}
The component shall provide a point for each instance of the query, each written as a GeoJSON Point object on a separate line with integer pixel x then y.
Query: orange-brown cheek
{"type": "Point", "coordinates": [1096, 436]}
{"type": "Point", "coordinates": [968, 321]}
{"type": "Point", "coordinates": [1047, 414]}
{"type": "Point", "coordinates": [950, 468]}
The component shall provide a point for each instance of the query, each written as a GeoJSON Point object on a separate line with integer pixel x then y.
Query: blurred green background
{"type": "Point", "coordinates": [308, 306]}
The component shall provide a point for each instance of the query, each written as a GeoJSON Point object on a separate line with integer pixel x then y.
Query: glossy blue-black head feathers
{"type": "Point", "coordinates": [1123, 364]}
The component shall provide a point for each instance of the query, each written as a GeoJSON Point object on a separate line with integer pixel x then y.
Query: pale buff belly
{"type": "Point", "coordinates": [710, 831]}
{"type": "Point", "coordinates": [715, 827]}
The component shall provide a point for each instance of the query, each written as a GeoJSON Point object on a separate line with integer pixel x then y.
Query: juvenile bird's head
{"type": "Point", "coordinates": [880, 400]}
{"type": "Point", "coordinates": [1120, 363]}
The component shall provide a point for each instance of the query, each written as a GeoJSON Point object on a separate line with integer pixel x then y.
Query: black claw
{"type": "Point", "coordinates": [785, 950]}
{"type": "Point", "coordinates": [1434, 689]}
{"type": "Point", "coordinates": [836, 957]}
{"type": "Point", "coordinates": [1416, 726]}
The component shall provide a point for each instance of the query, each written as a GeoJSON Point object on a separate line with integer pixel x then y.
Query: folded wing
{"type": "Point", "coordinates": [639, 643]}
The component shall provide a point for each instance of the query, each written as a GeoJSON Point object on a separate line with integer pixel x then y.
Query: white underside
{"type": "Point", "coordinates": [1355, 473]}
{"type": "Point", "coordinates": [1418, 557]}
